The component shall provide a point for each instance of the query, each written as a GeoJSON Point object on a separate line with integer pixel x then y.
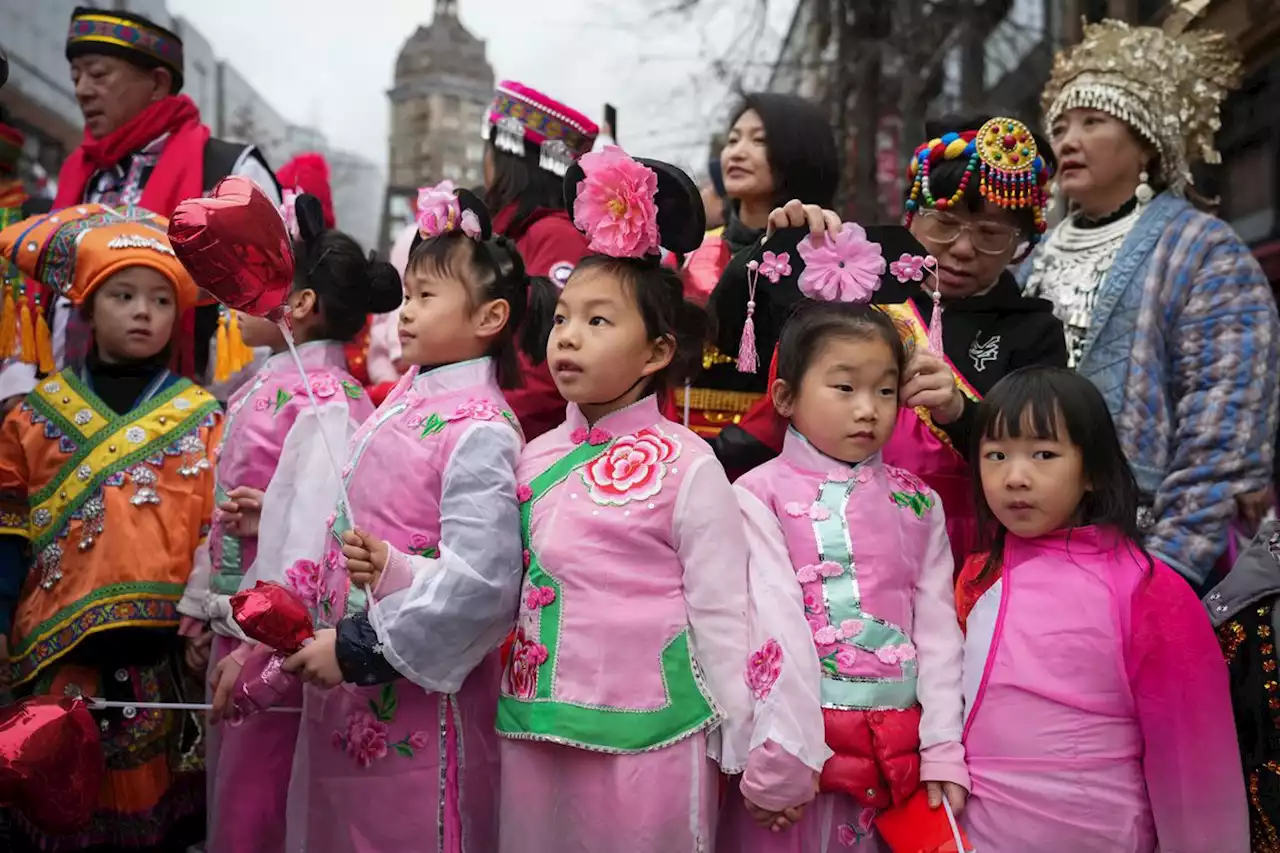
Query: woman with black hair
{"type": "Point", "coordinates": [532, 142]}
{"type": "Point", "coordinates": [956, 214]}
{"type": "Point", "coordinates": [780, 147]}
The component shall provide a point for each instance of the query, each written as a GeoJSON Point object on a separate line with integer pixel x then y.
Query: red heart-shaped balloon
{"type": "Point", "coordinates": [51, 763]}
{"type": "Point", "coordinates": [273, 615]}
{"type": "Point", "coordinates": [235, 246]}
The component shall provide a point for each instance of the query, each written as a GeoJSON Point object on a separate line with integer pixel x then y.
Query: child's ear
{"type": "Point", "coordinates": [662, 351]}
{"type": "Point", "coordinates": [303, 303]}
{"type": "Point", "coordinates": [780, 393]}
{"type": "Point", "coordinates": [492, 317]}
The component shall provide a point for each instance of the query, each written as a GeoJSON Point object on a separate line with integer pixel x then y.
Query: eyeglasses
{"type": "Point", "coordinates": [989, 238]}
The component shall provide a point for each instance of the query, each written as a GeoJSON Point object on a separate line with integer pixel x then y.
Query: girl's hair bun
{"type": "Point", "coordinates": [385, 292]}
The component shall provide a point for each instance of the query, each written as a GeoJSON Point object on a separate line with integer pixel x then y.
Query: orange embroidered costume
{"type": "Point", "coordinates": [106, 490]}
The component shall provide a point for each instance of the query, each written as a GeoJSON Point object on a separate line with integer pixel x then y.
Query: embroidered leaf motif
{"type": "Point", "coordinates": [282, 397]}
{"type": "Point", "coordinates": [352, 389]}
{"type": "Point", "coordinates": [917, 502]}
{"type": "Point", "coordinates": [829, 664]}
{"type": "Point", "coordinates": [385, 706]}
{"type": "Point", "coordinates": [432, 425]}
{"type": "Point", "coordinates": [403, 750]}
{"type": "Point", "coordinates": [511, 418]}
{"type": "Point", "coordinates": [430, 553]}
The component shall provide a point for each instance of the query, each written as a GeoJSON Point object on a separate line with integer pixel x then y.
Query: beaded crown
{"type": "Point", "coordinates": [1004, 157]}
{"type": "Point", "coordinates": [1165, 83]}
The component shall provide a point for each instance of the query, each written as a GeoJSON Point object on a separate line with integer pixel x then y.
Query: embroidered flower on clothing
{"type": "Point", "coordinates": [632, 469]}
{"type": "Point", "coordinates": [905, 480]}
{"type": "Point", "coordinates": [420, 740]}
{"type": "Point", "coordinates": [616, 205]}
{"type": "Point", "coordinates": [814, 571]}
{"type": "Point", "coordinates": [135, 435]}
{"type": "Point", "coordinates": [763, 669]}
{"type": "Point", "coordinates": [539, 596]}
{"type": "Point", "coordinates": [522, 668]}
{"type": "Point", "coordinates": [850, 834]}
{"type": "Point", "coordinates": [261, 404]}
{"type": "Point", "coordinates": [365, 739]}
{"type": "Point", "coordinates": [774, 267]}
{"type": "Point", "coordinates": [305, 578]}
{"type": "Point", "coordinates": [523, 493]}
{"type": "Point", "coordinates": [323, 386]}
{"type": "Point", "coordinates": [525, 557]}
{"type": "Point", "coordinates": [414, 420]}
{"type": "Point", "coordinates": [846, 659]}
{"type": "Point", "coordinates": [480, 410]}
{"type": "Point", "coordinates": [896, 654]}
{"type": "Point", "coordinates": [815, 511]}
{"type": "Point", "coordinates": [598, 436]}
{"type": "Point", "coordinates": [83, 417]}
{"type": "Point", "coordinates": [844, 267]}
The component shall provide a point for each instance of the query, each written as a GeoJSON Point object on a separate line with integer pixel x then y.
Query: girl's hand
{"type": "Point", "coordinates": [242, 510]}
{"type": "Point", "coordinates": [796, 214]}
{"type": "Point", "coordinates": [196, 651]}
{"type": "Point", "coordinates": [775, 821]}
{"type": "Point", "coordinates": [955, 794]}
{"type": "Point", "coordinates": [929, 382]}
{"type": "Point", "coordinates": [317, 663]}
{"type": "Point", "coordinates": [366, 557]}
{"type": "Point", "coordinates": [223, 681]}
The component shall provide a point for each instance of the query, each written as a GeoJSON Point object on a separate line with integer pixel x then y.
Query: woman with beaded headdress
{"type": "Point", "coordinates": [1164, 307]}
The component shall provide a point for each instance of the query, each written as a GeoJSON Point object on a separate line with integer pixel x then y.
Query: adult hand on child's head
{"type": "Point", "coordinates": [929, 382]}
{"type": "Point", "coordinates": [955, 794]}
{"type": "Point", "coordinates": [241, 511]}
{"type": "Point", "coordinates": [317, 663]}
{"type": "Point", "coordinates": [797, 214]}
{"type": "Point", "coordinates": [366, 557]}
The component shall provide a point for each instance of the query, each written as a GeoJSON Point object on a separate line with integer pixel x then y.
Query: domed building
{"type": "Point", "coordinates": [443, 84]}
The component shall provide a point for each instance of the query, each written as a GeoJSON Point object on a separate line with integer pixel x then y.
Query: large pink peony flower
{"type": "Point", "coordinates": [845, 267]}
{"type": "Point", "coordinates": [522, 668]}
{"type": "Point", "coordinates": [305, 578]}
{"type": "Point", "coordinates": [479, 410]}
{"type": "Point", "coordinates": [438, 209]}
{"type": "Point", "coordinates": [763, 669]}
{"type": "Point", "coordinates": [616, 205]}
{"type": "Point", "coordinates": [323, 385]}
{"type": "Point", "coordinates": [632, 469]}
{"type": "Point", "coordinates": [366, 738]}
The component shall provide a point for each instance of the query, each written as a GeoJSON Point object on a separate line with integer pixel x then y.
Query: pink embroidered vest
{"type": "Point", "coordinates": [259, 417]}
{"type": "Point", "coordinates": [601, 658]}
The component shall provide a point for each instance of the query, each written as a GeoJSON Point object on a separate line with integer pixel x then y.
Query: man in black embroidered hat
{"type": "Point", "coordinates": [145, 146]}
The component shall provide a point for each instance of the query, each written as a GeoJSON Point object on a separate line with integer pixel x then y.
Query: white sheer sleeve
{"type": "Point", "coordinates": [459, 606]}
{"type": "Point", "coordinates": [784, 672]}
{"type": "Point", "coordinates": [195, 598]}
{"type": "Point", "coordinates": [303, 492]}
{"type": "Point", "coordinates": [713, 553]}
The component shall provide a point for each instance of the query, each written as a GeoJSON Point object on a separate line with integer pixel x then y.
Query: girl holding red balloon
{"type": "Point", "coordinates": [106, 491]}
{"type": "Point", "coordinates": [419, 583]}
{"type": "Point", "coordinates": [274, 459]}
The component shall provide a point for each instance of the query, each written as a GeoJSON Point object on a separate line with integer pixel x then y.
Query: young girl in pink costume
{"type": "Point", "coordinates": [625, 675]}
{"type": "Point", "coordinates": [1098, 717]}
{"type": "Point", "coordinates": [872, 572]}
{"type": "Point", "coordinates": [272, 443]}
{"type": "Point", "coordinates": [419, 583]}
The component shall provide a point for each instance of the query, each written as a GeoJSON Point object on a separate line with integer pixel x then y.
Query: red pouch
{"type": "Point", "coordinates": [913, 827]}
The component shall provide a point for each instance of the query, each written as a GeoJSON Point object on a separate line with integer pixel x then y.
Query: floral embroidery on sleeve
{"type": "Point", "coordinates": [479, 410]}
{"type": "Point", "coordinates": [907, 491]}
{"type": "Point", "coordinates": [304, 577]}
{"type": "Point", "coordinates": [322, 385]}
{"type": "Point", "coordinates": [420, 546]}
{"type": "Point", "coordinates": [763, 669]}
{"type": "Point", "coordinates": [632, 469]}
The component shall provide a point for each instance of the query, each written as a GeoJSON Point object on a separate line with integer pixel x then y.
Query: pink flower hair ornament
{"type": "Point", "coordinates": [633, 208]}
{"type": "Point", "coordinates": [443, 209]}
{"type": "Point", "coordinates": [843, 267]}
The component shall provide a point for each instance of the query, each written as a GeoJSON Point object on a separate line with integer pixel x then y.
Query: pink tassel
{"type": "Point", "coordinates": [748, 361]}
{"type": "Point", "coordinates": [935, 325]}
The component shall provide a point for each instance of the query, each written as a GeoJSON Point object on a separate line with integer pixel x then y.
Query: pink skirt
{"type": "Point", "coordinates": [249, 766]}
{"type": "Point", "coordinates": [560, 799]}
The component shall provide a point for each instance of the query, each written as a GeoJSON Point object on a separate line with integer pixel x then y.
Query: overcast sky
{"type": "Point", "coordinates": [334, 59]}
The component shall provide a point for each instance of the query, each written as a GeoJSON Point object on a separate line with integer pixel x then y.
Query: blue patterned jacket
{"type": "Point", "coordinates": [1184, 345]}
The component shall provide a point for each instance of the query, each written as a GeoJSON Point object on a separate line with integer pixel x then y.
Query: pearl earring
{"type": "Point", "coordinates": [1144, 193]}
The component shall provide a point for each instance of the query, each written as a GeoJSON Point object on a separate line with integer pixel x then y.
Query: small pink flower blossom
{"type": "Point", "coordinates": [615, 205]}
{"type": "Point", "coordinates": [323, 386]}
{"type": "Point", "coordinates": [598, 436]}
{"type": "Point", "coordinates": [896, 654]}
{"type": "Point", "coordinates": [366, 738]}
{"type": "Point", "coordinates": [844, 267]}
{"type": "Point", "coordinates": [829, 569]}
{"type": "Point", "coordinates": [807, 574]}
{"type": "Point", "coordinates": [524, 493]}
{"type": "Point", "coordinates": [763, 669]}
{"type": "Point", "coordinates": [304, 576]}
{"type": "Point", "coordinates": [414, 420]}
{"type": "Point", "coordinates": [579, 435]}
{"type": "Point", "coordinates": [437, 210]}
{"type": "Point", "coordinates": [419, 542]}
{"type": "Point", "coordinates": [419, 740]}
{"type": "Point", "coordinates": [526, 557]}
{"type": "Point", "coordinates": [774, 267]}
{"type": "Point", "coordinates": [470, 224]}
{"type": "Point", "coordinates": [546, 596]}
{"type": "Point", "coordinates": [479, 410]}
{"type": "Point", "coordinates": [850, 628]}
{"type": "Point", "coordinates": [813, 599]}
{"type": "Point", "coordinates": [261, 404]}
{"type": "Point", "coordinates": [846, 658]}
{"type": "Point", "coordinates": [827, 635]}
{"type": "Point", "coordinates": [908, 268]}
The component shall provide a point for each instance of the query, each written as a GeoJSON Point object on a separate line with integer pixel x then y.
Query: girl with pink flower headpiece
{"type": "Point", "coordinates": [273, 476]}
{"type": "Point", "coordinates": [871, 575]}
{"type": "Point", "coordinates": [625, 692]}
{"type": "Point", "coordinates": [415, 587]}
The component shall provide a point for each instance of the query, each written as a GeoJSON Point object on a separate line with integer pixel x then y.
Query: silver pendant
{"type": "Point", "coordinates": [93, 516]}
{"type": "Point", "coordinates": [50, 562]}
{"type": "Point", "coordinates": [144, 482]}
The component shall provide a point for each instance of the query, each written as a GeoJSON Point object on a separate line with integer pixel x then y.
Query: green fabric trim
{"type": "Point", "coordinates": [145, 589]}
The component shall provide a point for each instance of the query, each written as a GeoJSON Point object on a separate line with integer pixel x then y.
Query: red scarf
{"type": "Point", "coordinates": [177, 176]}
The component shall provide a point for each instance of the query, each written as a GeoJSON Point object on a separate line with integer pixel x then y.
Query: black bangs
{"type": "Point", "coordinates": [1024, 405]}
{"type": "Point", "coordinates": [441, 257]}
